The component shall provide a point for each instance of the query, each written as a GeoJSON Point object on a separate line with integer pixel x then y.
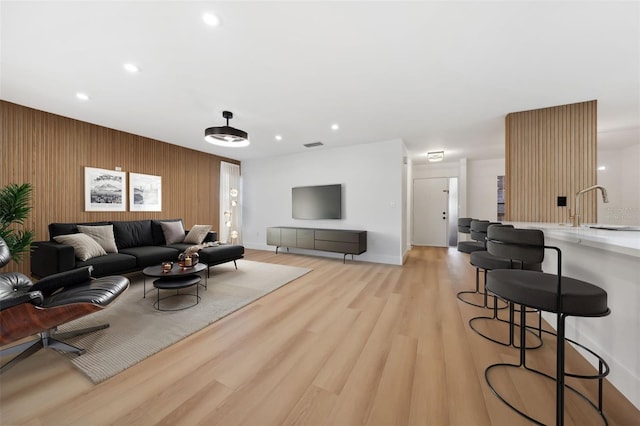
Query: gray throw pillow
{"type": "Point", "coordinates": [173, 232]}
{"type": "Point", "coordinates": [84, 246]}
{"type": "Point", "coordinates": [197, 234]}
{"type": "Point", "coordinates": [103, 235]}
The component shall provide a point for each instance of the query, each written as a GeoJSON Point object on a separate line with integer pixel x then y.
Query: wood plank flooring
{"type": "Point", "coordinates": [347, 344]}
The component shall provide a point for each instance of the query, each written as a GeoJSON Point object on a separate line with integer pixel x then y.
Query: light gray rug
{"type": "Point", "coordinates": [138, 330]}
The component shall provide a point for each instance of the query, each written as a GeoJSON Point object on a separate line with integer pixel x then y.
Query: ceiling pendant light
{"type": "Point", "coordinates": [225, 135]}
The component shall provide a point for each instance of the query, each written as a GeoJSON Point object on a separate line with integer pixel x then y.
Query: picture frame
{"type": "Point", "coordinates": [104, 190]}
{"type": "Point", "coordinates": [145, 193]}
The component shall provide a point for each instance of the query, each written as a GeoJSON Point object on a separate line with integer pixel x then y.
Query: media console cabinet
{"type": "Point", "coordinates": [343, 241]}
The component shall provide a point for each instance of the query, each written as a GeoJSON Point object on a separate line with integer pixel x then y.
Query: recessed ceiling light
{"type": "Point", "coordinates": [335, 126]}
{"type": "Point", "coordinates": [602, 168]}
{"type": "Point", "coordinates": [82, 96]}
{"type": "Point", "coordinates": [131, 68]}
{"type": "Point", "coordinates": [211, 19]}
{"type": "Point", "coordinates": [278, 137]}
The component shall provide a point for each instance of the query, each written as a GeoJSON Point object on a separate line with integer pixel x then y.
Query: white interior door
{"type": "Point", "coordinates": [430, 211]}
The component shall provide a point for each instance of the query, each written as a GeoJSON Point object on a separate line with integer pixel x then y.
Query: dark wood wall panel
{"type": "Point", "coordinates": [50, 152]}
{"type": "Point", "coordinates": [550, 152]}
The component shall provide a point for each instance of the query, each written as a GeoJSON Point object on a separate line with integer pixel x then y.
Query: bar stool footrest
{"type": "Point", "coordinates": [597, 408]}
{"type": "Point", "coordinates": [511, 343]}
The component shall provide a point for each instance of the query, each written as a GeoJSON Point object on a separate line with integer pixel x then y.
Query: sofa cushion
{"type": "Point", "coordinates": [83, 245]}
{"type": "Point", "coordinates": [56, 229]}
{"type": "Point", "coordinates": [220, 254]}
{"type": "Point", "coordinates": [112, 263]}
{"type": "Point", "coordinates": [151, 255]}
{"type": "Point", "coordinates": [102, 234]}
{"type": "Point", "coordinates": [197, 234]}
{"type": "Point", "coordinates": [173, 232]}
{"type": "Point", "coordinates": [157, 233]}
{"type": "Point", "coordinates": [134, 233]}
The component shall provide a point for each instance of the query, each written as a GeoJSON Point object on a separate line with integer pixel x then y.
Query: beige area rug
{"type": "Point", "coordinates": [138, 330]}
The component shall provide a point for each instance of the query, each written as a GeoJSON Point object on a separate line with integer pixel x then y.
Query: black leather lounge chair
{"type": "Point", "coordinates": [28, 309]}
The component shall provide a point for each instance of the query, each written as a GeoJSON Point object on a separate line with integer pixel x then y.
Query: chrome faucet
{"type": "Point", "coordinates": [576, 215]}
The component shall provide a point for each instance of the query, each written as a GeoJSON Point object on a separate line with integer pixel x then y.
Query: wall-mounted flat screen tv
{"type": "Point", "coordinates": [317, 202]}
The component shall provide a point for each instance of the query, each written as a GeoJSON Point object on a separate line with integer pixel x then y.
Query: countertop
{"type": "Point", "coordinates": [619, 241]}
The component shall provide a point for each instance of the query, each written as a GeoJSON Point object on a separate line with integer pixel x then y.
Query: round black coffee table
{"type": "Point", "coordinates": [176, 283]}
{"type": "Point", "coordinates": [177, 272]}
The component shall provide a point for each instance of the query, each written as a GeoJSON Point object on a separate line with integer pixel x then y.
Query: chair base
{"type": "Point", "coordinates": [46, 340]}
{"type": "Point", "coordinates": [512, 325]}
{"type": "Point", "coordinates": [561, 374]}
{"type": "Point", "coordinates": [467, 296]}
{"type": "Point", "coordinates": [597, 408]}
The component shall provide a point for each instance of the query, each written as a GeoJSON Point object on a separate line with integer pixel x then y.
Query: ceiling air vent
{"type": "Point", "coordinates": [313, 144]}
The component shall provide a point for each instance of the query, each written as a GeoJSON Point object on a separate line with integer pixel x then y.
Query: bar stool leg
{"type": "Point", "coordinates": [560, 371]}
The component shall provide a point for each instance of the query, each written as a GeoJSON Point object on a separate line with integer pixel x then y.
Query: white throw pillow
{"type": "Point", "coordinates": [197, 234]}
{"type": "Point", "coordinates": [102, 234]}
{"type": "Point", "coordinates": [173, 232]}
{"type": "Point", "coordinates": [84, 246]}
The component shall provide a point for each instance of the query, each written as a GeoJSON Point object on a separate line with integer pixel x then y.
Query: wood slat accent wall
{"type": "Point", "coordinates": [551, 152]}
{"type": "Point", "coordinates": [50, 152]}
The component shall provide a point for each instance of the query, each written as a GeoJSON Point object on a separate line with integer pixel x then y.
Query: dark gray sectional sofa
{"type": "Point", "coordinates": [140, 243]}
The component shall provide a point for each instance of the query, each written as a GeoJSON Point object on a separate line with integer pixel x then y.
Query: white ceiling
{"type": "Point", "coordinates": [438, 75]}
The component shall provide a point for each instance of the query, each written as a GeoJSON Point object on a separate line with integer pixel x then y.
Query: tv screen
{"type": "Point", "coordinates": [317, 202]}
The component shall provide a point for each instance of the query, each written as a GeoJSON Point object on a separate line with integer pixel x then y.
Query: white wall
{"type": "Point", "coordinates": [621, 178]}
{"type": "Point", "coordinates": [482, 188]}
{"type": "Point", "coordinates": [435, 170]}
{"type": "Point", "coordinates": [407, 173]}
{"type": "Point", "coordinates": [372, 179]}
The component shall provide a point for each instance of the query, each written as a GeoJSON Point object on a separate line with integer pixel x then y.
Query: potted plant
{"type": "Point", "coordinates": [15, 205]}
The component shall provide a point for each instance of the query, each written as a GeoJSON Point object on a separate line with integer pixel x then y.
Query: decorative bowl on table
{"type": "Point", "coordinates": [187, 260]}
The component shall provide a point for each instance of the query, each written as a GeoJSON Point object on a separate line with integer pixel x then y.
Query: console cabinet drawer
{"type": "Point", "coordinates": [337, 246]}
{"type": "Point", "coordinates": [347, 237]}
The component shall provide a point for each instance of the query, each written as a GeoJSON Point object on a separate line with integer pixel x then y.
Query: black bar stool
{"type": "Point", "coordinates": [478, 232]}
{"type": "Point", "coordinates": [563, 296]}
{"type": "Point", "coordinates": [487, 262]}
{"type": "Point", "coordinates": [464, 227]}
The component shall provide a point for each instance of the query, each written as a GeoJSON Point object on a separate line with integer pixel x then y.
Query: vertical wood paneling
{"type": "Point", "coordinates": [550, 152]}
{"type": "Point", "coordinates": [50, 152]}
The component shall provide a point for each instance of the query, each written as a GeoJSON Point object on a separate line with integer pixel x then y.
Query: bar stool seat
{"type": "Point", "coordinates": [470, 246]}
{"type": "Point", "coordinates": [540, 290]}
{"type": "Point", "coordinates": [487, 261]}
{"type": "Point", "coordinates": [464, 227]}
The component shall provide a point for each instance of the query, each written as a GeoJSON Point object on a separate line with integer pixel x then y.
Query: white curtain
{"type": "Point", "coordinates": [230, 204]}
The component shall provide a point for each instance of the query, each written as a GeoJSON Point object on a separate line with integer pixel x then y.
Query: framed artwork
{"type": "Point", "coordinates": [145, 193]}
{"type": "Point", "coordinates": [104, 190]}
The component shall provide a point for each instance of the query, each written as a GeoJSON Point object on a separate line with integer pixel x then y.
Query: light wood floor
{"type": "Point", "coordinates": [360, 343]}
